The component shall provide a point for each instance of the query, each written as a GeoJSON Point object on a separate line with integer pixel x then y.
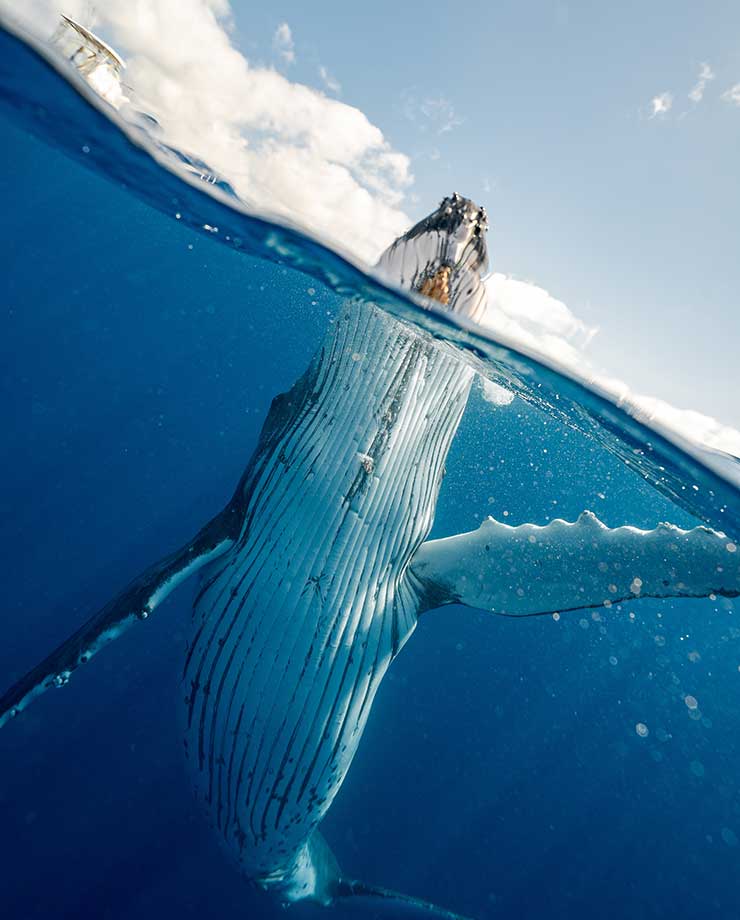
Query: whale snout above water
{"type": "Point", "coordinates": [444, 257]}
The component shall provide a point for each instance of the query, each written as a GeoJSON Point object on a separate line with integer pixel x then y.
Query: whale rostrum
{"type": "Point", "coordinates": [314, 575]}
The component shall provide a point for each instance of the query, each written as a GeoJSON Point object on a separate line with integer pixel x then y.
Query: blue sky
{"type": "Point", "coordinates": [633, 221]}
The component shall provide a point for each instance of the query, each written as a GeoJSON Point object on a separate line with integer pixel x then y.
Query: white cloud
{"type": "Point", "coordinates": [693, 426]}
{"type": "Point", "coordinates": [732, 94]}
{"type": "Point", "coordinates": [282, 42]}
{"type": "Point", "coordinates": [441, 113]}
{"type": "Point", "coordinates": [527, 312]}
{"type": "Point", "coordinates": [435, 113]}
{"type": "Point", "coordinates": [287, 149]}
{"type": "Point", "coordinates": [661, 104]}
{"type": "Point", "coordinates": [706, 75]}
{"type": "Point", "coordinates": [329, 81]}
{"type": "Point", "coordinates": [528, 316]}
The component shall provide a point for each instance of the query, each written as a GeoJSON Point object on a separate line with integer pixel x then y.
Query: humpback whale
{"type": "Point", "coordinates": [314, 575]}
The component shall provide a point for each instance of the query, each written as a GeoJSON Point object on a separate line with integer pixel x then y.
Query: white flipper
{"type": "Point", "coordinates": [530, 570]}
{"type": "Point", "coordinates": [135, 602]}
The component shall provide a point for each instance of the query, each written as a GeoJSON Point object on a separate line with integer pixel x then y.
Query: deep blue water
{"type": "Point", "coordinates": [500, 774]}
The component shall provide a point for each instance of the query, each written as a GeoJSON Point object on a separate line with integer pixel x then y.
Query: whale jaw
{"type": "Point", "coordinates": [443, 257]}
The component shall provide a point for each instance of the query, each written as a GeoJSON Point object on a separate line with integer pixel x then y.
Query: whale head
{"type": "Point", "coordinates": [443, 257]}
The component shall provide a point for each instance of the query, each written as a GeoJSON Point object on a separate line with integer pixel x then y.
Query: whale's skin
{"type": "Point", "coordinates": [296, 625]}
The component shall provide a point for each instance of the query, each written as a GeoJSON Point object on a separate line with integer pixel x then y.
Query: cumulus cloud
{"type": "Point", "coordinates": [732, 95]}
{"type": "Point", "coordinates": [527, 315]}
{"type": "Point", "coordinates": [286, 148]}
{"type": "Point", "coordinates": [706, 75]}
{"type": "Point", "coordinates": [661, 104]}
{"type": "Point", "coordinates": [282, 42]}
{"type": "Point", "coordinates": [691, 425]}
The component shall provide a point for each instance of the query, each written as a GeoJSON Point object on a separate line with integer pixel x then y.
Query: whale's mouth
{"type": "Point", "coordinates": [437, 286]}
{"type": "Point", "coordinates": [443, 257]}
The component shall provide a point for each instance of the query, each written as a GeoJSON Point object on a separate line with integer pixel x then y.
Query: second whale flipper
{"type": "Point", "coordinates": [530, 570]}
{"type": "Point", "coordinates": [386, 902]}
{"type": "Point", "coordinates": [317, 869]}
{"type": "Point", "coordinates": [137, 600]}
{"type": "Point", "coordinates": [141, 596]}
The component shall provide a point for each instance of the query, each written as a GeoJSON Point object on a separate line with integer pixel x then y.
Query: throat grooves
{"type": "Point", "coordinates": [294, 631]}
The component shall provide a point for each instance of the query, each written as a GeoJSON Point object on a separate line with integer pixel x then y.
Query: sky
{"type": "Point", "coordinates": [602, 139]}
{"type": "Point", "coordinates": [544, 112]}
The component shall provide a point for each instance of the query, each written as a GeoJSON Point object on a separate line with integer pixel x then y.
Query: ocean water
{"type": "Point", "coordinates": [501, 773]}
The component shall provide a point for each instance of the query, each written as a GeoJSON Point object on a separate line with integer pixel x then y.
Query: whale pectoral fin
{"type": "Point", "coordinates": [316, 876]}
{"type": "Point", "coordinates": [531, 570]}
{"type": "Point", "coordinates": [135, 602]}
{"type": "Point", "coordinates": [385, 902]}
